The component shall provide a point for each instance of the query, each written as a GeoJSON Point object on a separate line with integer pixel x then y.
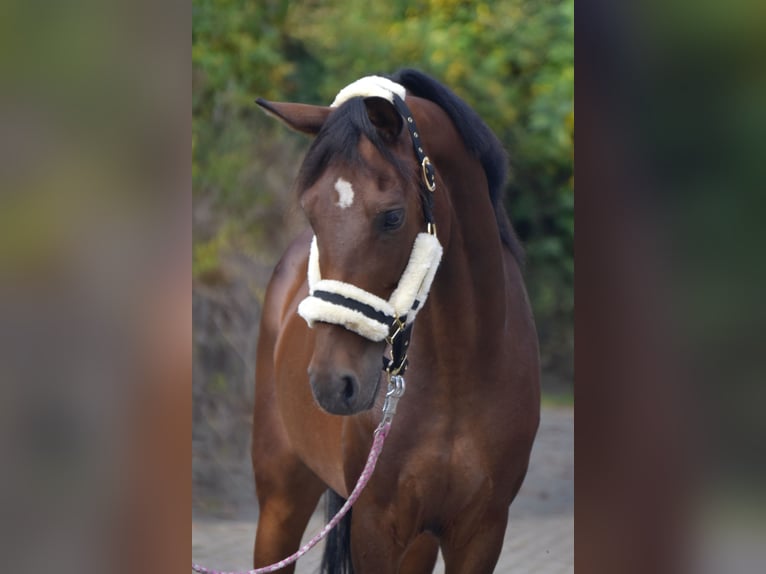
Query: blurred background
{"type": "Point", "coordinates": [96, 252]}
{"type": "Point", "coordinates": [511, 60]}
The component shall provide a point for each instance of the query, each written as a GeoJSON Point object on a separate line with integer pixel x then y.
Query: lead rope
{"type": "Point", "coordinates": [393, 394]}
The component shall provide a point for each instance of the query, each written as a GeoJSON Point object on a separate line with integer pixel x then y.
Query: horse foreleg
{"type": "Point", "coordinates": [475, 553]}
{"type": "Point", "coordinates": [373, 549]}
{"type": "Point", "coordinates": [420, 557]}
{"type": "Point", "coordinates": [286, 504]}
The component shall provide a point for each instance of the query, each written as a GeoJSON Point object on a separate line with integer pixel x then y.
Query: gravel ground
{"type": "Point", "coordinates": [539, 538]}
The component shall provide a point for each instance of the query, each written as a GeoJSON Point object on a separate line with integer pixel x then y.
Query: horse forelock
{"type": "Point", "coordinates": [338, 142]}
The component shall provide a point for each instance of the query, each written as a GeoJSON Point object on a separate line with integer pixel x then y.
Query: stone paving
{"type": "Point", "coordinates": [540, 535]}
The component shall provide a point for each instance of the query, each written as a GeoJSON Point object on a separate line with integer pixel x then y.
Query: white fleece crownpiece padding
{"type": "Point", "coordinates": [370, 86]}
{"type": "Point", "coordinates": [406, 300]}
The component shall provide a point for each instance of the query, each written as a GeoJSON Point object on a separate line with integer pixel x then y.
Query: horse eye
{"type": "Point", "coordinates": [393, 219]}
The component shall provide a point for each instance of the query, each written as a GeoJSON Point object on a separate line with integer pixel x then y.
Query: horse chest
{"type": "Point", "coordinates": [444, 479]}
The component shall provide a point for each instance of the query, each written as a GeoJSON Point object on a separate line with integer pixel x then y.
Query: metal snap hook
{"type": "Point", "coordinates": [396, 387]}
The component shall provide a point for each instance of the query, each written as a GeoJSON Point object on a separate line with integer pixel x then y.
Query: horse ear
{"type": "Point", "coordinates": [385, 118]}
{"type": "Point", "coordinates": [300, 117]}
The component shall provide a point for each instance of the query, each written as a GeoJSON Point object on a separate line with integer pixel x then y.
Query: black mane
{"type": "Point", "coordinates": [339, 139]}
{"type": "Point", "coordinates": [479, 140]}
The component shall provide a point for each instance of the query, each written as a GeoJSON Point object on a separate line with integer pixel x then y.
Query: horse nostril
{"type": "Point", "coordinates": [349, 387]}
{"type": "Point", "coordinates": [336, 392]}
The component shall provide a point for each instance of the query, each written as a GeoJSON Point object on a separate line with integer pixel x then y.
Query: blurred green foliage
{"type": "Point", "coordinates": [512, 60]}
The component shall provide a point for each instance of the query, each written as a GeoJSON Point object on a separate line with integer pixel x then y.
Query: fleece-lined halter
{"type": "Point", "coordinates": [360, 311]}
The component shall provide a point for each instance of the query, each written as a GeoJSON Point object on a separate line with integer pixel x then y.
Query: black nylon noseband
{"type": "Point", "coordinates": [366, 310]}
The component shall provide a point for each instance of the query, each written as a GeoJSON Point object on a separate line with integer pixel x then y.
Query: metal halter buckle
{"type": "Point", "coordinates": [427, 174]}
{"type": "Point", "coordinates": [399, 329]}
{"type": "Point", "coordinates": [394, 370]}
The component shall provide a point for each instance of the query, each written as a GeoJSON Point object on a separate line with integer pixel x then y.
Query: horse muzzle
{"type": "Point", "coordinates": [342, 393]}
{"type": "Point", "coordinates": [344, 370]}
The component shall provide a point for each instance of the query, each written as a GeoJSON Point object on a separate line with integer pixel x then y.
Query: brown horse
{"type": "Point", "coordinates": [459, 445]}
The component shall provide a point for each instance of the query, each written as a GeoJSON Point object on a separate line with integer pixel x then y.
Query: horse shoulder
{"type": "Point", "coordinates": [287, 279]}
{"type": "Point", "coordinates": [523, 348]}
{"type": "Point", "coordinates": [272, 450]}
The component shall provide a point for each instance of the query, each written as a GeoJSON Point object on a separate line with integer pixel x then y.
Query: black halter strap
{"type": "Point", "coordinates": [366, 310]}
{"type": "Point", "coordinates": [400, 335]}
{"type": "Point", "coordinates": [397, 364]}
{"type": "Point", "coordinates": [427, 168]}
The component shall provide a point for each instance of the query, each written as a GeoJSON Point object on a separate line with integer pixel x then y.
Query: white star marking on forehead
{"type": "Point", "coordinates": [345, 193]}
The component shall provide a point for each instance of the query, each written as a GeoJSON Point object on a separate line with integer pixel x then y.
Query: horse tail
{"type": "Point", "coordinates": [337, 551]}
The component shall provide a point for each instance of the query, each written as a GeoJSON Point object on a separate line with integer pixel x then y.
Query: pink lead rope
{"type": "Point", "coordinates": [395, 391]}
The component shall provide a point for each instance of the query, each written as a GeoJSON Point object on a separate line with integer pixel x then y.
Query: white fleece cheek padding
{"type": "Point", "coordinates": [411, 292]}
{"type": "Point", "coordinates": [406, 300]}
{"type": "Point", "coordinates": [314, 275]}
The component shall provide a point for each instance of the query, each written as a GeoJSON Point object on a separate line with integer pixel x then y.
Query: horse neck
{"type": "Point", "coordinates": [468, 300]}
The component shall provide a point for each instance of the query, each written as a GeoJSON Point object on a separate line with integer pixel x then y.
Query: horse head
{"type": "Point", "coordinates": [360, 187]}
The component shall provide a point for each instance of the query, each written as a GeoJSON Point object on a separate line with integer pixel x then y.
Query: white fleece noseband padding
{"type": "Point", "coordinates": [370, 316]}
